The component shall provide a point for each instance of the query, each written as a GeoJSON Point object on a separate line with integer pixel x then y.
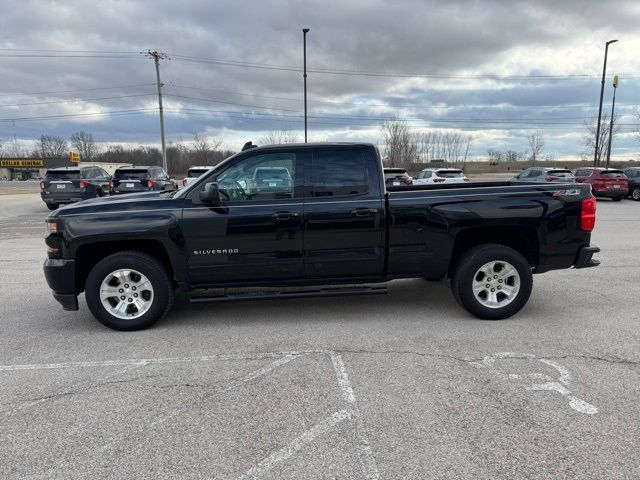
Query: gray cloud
{"type": "Point", "coordinates": [464, 37]}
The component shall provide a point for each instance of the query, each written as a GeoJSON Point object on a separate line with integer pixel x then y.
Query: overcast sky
{"type": "Point", "coordinates": [496, 69]}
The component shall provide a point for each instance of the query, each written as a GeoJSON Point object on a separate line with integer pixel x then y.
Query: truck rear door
{"type": "Point", "coordinates": [344, 214]}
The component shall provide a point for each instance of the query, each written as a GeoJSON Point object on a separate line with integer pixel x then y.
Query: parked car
{"type": "Point", "coordinates": [73, 184]}
{"type": "Point", "coordinates": [193, 173]}
{"type": "Point", "coordinates": [633, 175]}
{"type": "Point", "coordinates": [396, 177]}
{"type": "Point", "coordinates": [339, 225]}
{"type": "Point", "coordinates": [545, 174]}
{"type": "Point", "coordinates": [605, 182]}
{"type": "Point", "coordinates": [428, 176]}
{"type": "Point", "coordinates": [140, 179]}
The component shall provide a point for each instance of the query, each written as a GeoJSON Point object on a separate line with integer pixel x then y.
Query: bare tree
{"type": "Point", "coordinates": [401, 145]}
{"type": "Point", "coordinates": [536, 144]}
{"type": "Point", "coordinates": [449, 145]}
{"type": "Point", "coordinates": [83, 143]}
{"type": "Point", "coordinates": [50, 146]}
{"type": "Point", "coordinates": [282, 135]}
{"type": "Point", "coordinates": [589, 142]}
{"type": "Point", "coordinates": [204, 146]}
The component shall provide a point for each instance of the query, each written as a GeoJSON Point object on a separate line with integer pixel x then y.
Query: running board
{"type": "Point", "coordinates": [323, 292]}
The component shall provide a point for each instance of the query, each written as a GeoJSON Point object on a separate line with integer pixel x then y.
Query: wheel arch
{"type": "Point", "coordinates": [88, 255]}
{"type": "Point", "coordinates": [523, 239]}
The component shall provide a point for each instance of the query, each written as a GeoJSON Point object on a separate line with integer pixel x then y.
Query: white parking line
{"type": "Point", "coordinates": [365, 454]}
{"type": "Point", "coordinates": [287, 451]}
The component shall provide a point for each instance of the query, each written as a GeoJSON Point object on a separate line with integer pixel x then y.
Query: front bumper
{"type": "Point", "coordinates": [584, 260]}
{"type": "Point", "coordinates": [60, 274]}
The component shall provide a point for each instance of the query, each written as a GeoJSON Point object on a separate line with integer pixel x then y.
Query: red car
{"type": "Point", "coordinates": [605, 182]}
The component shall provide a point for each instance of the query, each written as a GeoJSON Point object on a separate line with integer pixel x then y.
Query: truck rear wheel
{"type": "Point", "coordinates": [52, 206]}
{"type": "Point", "coordinates": [129, 291]}
{"type": "Point", "coordinates": [492, 281]}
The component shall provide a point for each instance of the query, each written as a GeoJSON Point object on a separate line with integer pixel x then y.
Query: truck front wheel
{"type": "Point", "coordinates": [492, 281]}
{"type": "Point", "coordinates": [129, 291]}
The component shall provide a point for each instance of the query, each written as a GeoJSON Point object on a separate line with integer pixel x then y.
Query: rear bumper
{"type": "Point", "coordinates": [60, 274]}
{"type": "Point", "coordinates": [618, 192]}
{"type": "Point", "coordinates": [584, 260]}
{"type": "Point", "coordinates": [64, 198]}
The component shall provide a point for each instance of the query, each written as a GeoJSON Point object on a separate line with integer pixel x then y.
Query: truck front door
{"type": "Point", "coordinates": [344, 214]}
{"type": "Point", "coordinates": [255, 233]}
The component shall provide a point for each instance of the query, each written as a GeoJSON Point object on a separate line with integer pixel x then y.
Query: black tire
{"type": "Point", "coordinates": [152, 268]}
{"type": "Point", "coordinates": [617, 199]}
{"type": "Point", "coordinates": [635, 194]}
{"type": "Point", "coordinates": [466, 269]}
{"type": "Point", "coordinates": [52, 206]}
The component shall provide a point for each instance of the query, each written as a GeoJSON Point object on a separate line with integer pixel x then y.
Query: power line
{"type": "Point", "coordinates": [234, 63]}
{"type": "Point", "coordinates": [77, 90]}
{"type": "Point", "coordinates": [75, 100]}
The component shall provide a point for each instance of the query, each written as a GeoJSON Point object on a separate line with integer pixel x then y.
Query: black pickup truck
{"type": "Point", "coordinates": [326, 218]}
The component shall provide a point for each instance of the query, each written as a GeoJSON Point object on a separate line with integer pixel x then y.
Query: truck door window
{"type": "Point", "coordinates": [262, 177]}
{"type": "Point", "coordinates": [337, 173]}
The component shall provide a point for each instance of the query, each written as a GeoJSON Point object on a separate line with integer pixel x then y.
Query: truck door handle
{"type": "Point", "coordinates": [283, 216]}
{"type": "Point", "coordinates": [363, 212]}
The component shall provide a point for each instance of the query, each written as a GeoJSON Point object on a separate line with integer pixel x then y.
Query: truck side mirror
{"type": "Point", "coordinates": [210, 194]}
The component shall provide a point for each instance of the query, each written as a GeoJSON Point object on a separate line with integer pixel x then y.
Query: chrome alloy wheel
{"type": "Point", "coordinates": [126, 294]}
{"type": "Point", "coordinates": [496, 284]}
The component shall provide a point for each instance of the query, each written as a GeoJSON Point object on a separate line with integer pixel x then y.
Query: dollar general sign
{"type": "Point", "coordinates": [74, 157]}
{"type": "Point", "coordinates": [22, 163]}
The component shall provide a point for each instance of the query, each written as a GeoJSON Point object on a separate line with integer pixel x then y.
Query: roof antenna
{"type": "Point", "coordinates": [248, 145]}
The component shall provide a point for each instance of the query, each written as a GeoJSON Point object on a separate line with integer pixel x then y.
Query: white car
{"type": "Point", "coordinates": [193, 173]}
{"type": "Point", "coordinates": [430, 176]}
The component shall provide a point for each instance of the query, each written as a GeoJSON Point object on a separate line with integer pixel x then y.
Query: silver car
{"type": "Point", "coordinates": [545, 174]}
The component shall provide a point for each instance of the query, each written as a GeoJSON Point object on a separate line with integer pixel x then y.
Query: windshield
{"type": "Point", "coordinates": [450, 173]}
{"type": "Point", "coordinates": [131, 175]}
{"type": "Point", "coordinates": [58, 175]}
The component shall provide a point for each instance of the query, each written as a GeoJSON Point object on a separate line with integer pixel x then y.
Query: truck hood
{"type": "Point", "coordinates": [130, 201]}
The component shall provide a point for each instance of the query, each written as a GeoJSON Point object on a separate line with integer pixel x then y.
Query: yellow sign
{"type": "Point", "coordinates": [74, 157]}
{"type": "Point", "coordinates": [22, 163]}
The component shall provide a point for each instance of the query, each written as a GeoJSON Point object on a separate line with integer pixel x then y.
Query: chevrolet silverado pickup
{"type": "Point", "coordinates": [328, 226]}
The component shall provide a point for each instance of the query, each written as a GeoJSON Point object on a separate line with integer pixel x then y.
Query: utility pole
{"type": "Point", "coordinates": [157, 56]}
{"type": "Point", "coordinates": [596, 157]}
{"type": "Point", "coordinates": [304, 50]}
{"type": "Point", "coordinates": [613, 108]}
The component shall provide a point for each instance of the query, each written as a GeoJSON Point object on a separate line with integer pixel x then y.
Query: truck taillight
{"type": "Point", "coordinates": [84, 184]}
{"type": "Point", "coordinates": [110, 183]}
{"type": "Point", "coordinates": [41, 185]}
{"type": "Point", "coordinates": [151, 183]}
{"type": "Point", "coordinates": [588, 214]}
{"type": "Point", "coordinates": [184, 182]}
{"type": "Point", "coordinates": [552, 179]}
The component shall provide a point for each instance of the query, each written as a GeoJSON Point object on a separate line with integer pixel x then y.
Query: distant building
{"type": "Point", "coordinates": [25, 168]}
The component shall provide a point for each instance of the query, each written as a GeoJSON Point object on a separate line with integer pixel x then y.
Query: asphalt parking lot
{"type": "Point", "coordinates": [406, 385]}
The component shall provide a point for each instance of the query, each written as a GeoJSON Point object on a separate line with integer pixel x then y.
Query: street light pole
{"type": "Point", "coordinates": [613, 107]}
{"type": "Point", "coordinates": [604, 72]}
{"type": "Point", "coordinates": [304, 53]}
